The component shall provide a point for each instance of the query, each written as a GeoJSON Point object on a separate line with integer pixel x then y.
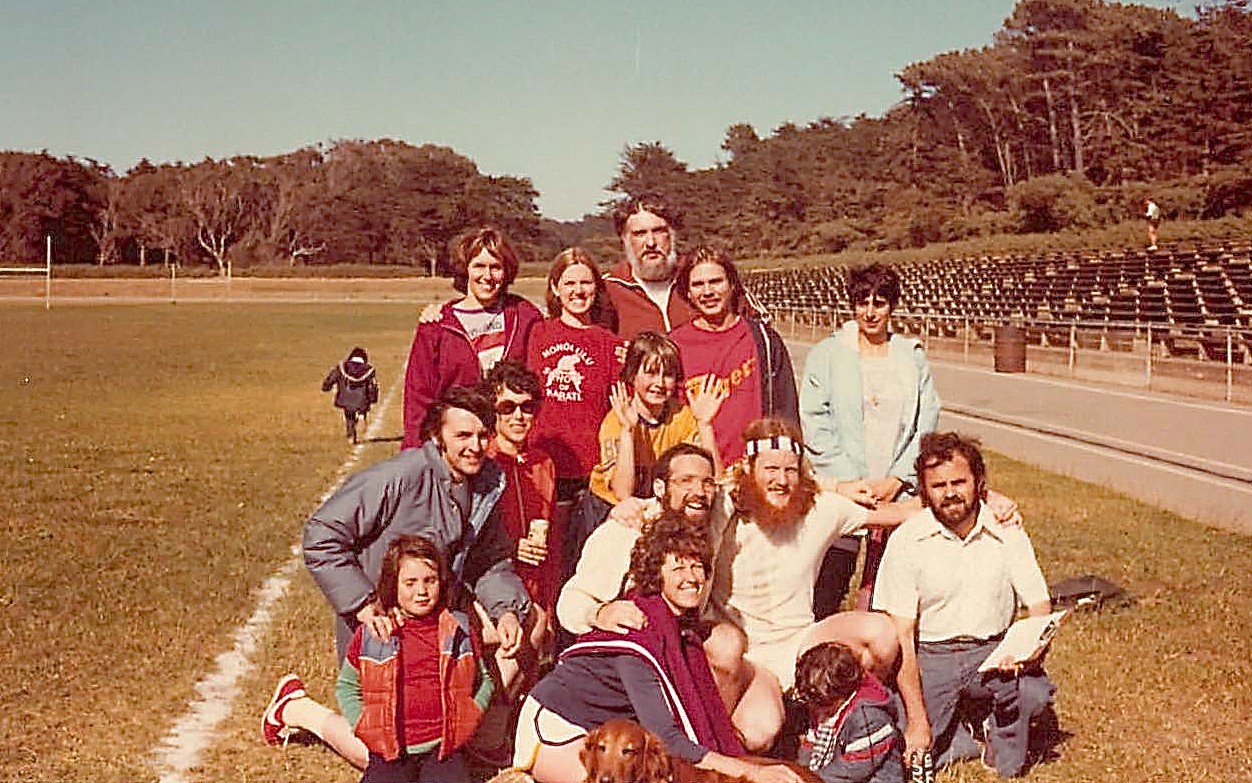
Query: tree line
{"type": "Point", "coordinates": [1076, 111]}
{"type": "Point", "coordinates": [374, 202]}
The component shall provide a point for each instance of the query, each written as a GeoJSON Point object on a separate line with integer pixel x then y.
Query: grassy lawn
{"type": "Point", "coordinates": [159, 462]}
{"type": "Point", "coordinates": [156, 463]}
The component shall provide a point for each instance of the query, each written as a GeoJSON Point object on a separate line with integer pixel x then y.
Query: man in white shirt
{"type": "Point", "coordinates": [769, 533]}
{"type": "Point", "coordinates": [1152, 213]}
{"type": "Point", "coordinates": [952, 579]}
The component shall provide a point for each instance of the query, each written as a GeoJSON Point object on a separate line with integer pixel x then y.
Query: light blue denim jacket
{"type": "Point", "coordinates": [831, 406]}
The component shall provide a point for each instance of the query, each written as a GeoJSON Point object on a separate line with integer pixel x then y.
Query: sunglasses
{"type": "Point", "coordinates": [506, 407]}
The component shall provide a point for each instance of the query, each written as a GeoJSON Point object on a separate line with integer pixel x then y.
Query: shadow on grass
{"type": "Point", "coordinates": [395, 439]}
{"type": "Point", "coordinates": [1046, 738]}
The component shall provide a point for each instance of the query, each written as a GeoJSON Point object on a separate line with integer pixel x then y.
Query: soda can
{"type": "Point", "coordinates": [921, 768]}
{"type": "Point", "coordinates": [538, 531]}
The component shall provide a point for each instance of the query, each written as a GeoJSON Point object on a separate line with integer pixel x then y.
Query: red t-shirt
{"type": "Point", "coordinates": [731, 357]}
{"type": "Point", "coordinates": [422, 716]}
{"type": "Point", "coordinates": [577, 367]}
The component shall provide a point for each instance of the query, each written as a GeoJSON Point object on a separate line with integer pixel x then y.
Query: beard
{"type": "Point", "coordinates": [750, 500]}
{"type": "Point", "coordinates": [953, 513]}
{"type": "Point", "coordinates": [654, 270]}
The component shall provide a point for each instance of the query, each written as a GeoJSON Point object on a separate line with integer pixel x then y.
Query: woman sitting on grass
{"type": "Point", "coordinates": [413, 699]}
{"type": "Point", "coordinates": [657, 675]}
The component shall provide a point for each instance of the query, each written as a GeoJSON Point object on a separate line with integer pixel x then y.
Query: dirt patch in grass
{"type": "Point", "coordinates": [420, 290]}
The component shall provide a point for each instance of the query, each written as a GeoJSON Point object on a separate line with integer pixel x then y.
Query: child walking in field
{"type": "Point", "coordinates": [356, 388]}
{"type": "Point", "coordinates": [411, 701]}
{"type": "Point", "coordinates": [853, 736]}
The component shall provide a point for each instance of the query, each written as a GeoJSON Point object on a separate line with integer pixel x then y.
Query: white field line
{"type": "Point", "coordinates": [181, 749]}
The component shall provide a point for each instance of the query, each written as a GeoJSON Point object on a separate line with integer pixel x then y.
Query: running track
{"type": "Point", "coordinates": [1193, 458]}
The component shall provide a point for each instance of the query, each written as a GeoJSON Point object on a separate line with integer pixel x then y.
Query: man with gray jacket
{"type": "Point", "coordinates": [445, 490]}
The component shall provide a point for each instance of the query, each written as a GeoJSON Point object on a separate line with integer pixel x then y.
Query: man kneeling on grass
{"type": "Point", "coordinates": [446, 491]}
{"type": "Point", "coordinates": [951, 581]}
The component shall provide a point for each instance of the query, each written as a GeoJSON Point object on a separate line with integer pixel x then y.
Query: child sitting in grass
{"type": "Point", "coordinates": [852, 736]}
{"type": "Point", "coordinates": [418, 696]}
{"type": "Point", "coordinates": [414, 698]}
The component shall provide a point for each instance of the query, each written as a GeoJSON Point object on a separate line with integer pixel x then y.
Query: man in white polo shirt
{"type": "Point", "coordinates": [953, 579]}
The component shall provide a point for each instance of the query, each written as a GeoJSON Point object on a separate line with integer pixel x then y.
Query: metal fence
{"type": "Point", "coordinates": [1208, 361]}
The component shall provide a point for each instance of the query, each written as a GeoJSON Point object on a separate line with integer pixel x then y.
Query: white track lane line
{"type": "Point", "coordinates": [1091, 448]}
{"type": "Point", "coordinates": [1105, 391]}
{"type": "Point", "coordinates": [181, 749]}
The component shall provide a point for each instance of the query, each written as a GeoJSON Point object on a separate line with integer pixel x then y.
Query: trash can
{"type": "Point", "coordinates": [1010, 353]}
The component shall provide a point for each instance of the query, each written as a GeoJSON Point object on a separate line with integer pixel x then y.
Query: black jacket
{"type": "Point", "coordinates": [356, 388]}
{"type": "Point", "coordinates": [778, 381]}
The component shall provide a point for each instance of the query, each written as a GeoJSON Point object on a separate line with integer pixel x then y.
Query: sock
{"type": "Point", "coordinates": [307, 714]}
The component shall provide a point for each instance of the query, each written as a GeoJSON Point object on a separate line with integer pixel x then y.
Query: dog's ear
{"type": "Point", "coordinates": [656, 766]}
{"type": "Point", "coordinates": [589, 753]}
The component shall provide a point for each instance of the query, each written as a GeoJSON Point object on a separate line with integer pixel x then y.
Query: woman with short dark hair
{"type": "Point", "coordinates": [866, 400]}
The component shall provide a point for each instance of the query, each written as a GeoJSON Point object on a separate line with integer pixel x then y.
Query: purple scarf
{"type": "Point", "coordinates": [686, 678]}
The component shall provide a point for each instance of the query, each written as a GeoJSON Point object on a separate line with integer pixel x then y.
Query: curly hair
{"type": "Point", "coordinates": [670, 534]}
{"type": "Point", "coordinates": [826, 675]}
{"type": "Point", "coordinates": [417, 547]}
{"type": "Point", "coordinates": [939, 447]}
{"type": "Point", "coordinates": [466, 248]}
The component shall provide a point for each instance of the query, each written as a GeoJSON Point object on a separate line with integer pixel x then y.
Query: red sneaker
{"type": "Point", "coordinates": [273, 729]}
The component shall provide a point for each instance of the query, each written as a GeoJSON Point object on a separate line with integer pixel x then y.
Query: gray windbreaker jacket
{"type": "Point", "coordinates": [410, 494]}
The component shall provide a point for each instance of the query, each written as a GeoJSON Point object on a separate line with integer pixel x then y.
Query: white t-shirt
{"type": "Point", "coordinates": [882, 411]}
{"type": "Point", "coordinates": [772, 575]}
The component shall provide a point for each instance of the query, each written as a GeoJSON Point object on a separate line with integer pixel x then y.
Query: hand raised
{"type": "Point", "coordinates": [708, 398]}
{"type": "Point", "coordinates": [623, 405]}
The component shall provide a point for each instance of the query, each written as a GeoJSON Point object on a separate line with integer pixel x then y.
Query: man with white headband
{"type": "Point", "coordinates": [768, 560]}
{"type": "Point", "coordinates": [774, 494]}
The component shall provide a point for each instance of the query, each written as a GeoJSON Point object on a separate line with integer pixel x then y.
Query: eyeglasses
{"type": "Point", "coordinates": [506, 407]}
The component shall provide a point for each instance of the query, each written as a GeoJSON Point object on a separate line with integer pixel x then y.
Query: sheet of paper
{"type": "Point", "coordinates": [1024, 639]}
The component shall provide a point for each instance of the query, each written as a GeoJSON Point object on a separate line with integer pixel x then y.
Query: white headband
{"type": "Point", "coordinates": [776, 443]}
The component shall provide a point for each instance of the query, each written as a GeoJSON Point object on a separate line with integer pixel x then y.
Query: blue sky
{"type": "Point", "coordinates": [549, 90]}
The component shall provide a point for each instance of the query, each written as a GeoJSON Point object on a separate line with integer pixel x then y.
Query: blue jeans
{"type": "Point", "coordinates": [426, 768]}
{"type": "Point", "coordinates": [953, 687]}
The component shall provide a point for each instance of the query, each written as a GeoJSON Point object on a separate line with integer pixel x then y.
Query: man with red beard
{"type": "Point", "coordinates": [763, 577]}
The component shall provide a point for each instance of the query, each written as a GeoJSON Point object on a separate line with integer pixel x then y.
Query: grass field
{"type": "Point", "coordinates": [157, 461]}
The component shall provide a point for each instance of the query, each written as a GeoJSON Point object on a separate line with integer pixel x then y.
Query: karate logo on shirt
{"type": "Point", "coordinates": [564, 381]}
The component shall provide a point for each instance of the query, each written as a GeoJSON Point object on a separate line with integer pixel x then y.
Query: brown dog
{"type": "Point", "coordinates": [622, 751]}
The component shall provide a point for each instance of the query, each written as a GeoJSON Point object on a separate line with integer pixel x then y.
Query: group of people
{"type": "Point", "coordinates": [629, 509]}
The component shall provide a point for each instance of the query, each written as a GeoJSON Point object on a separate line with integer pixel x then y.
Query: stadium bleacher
{"type": "Point", "coordinates": [1192, 298]}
